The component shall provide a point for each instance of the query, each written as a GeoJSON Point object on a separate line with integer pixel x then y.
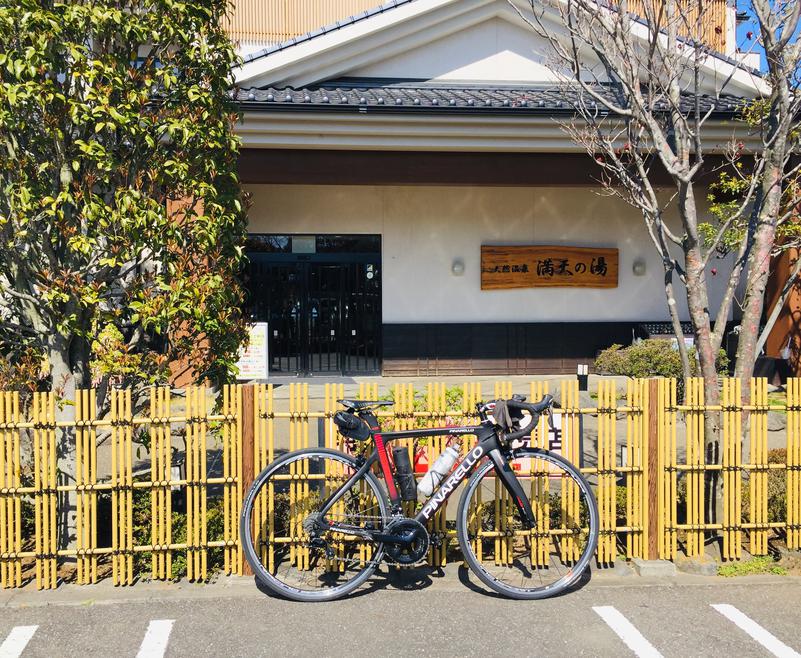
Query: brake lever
{"type": "Point", "coordinates": [550, 416]}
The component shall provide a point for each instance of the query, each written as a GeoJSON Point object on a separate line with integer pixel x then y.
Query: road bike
{"type": "Point", "coordinates": [317, 522]}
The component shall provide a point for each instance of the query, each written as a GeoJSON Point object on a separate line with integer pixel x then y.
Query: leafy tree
{"type": "Point", "coordinates": [121, 224]}
{"type": "Point", "coordinates": [645, 84]}
{"type": "Point", "coordinates": [728, 194]}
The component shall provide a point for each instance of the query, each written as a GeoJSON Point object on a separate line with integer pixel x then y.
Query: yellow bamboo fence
{"type": "Point", "coordinates": [685, 487]}
{"type": "Point", "coordinates": [158, 490]}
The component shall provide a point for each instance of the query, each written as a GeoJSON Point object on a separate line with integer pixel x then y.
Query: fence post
{"type": "Point", "coordinates": [248, 444]}
{"type": "Point", "coordinates": [653, 472]}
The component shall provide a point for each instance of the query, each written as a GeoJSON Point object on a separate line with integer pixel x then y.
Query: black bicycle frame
{"type": "Point", "coordinates": [487, 445]}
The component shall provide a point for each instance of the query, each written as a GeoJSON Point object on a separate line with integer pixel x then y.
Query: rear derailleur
{"type": "Point", "coordinates": [314, 526]}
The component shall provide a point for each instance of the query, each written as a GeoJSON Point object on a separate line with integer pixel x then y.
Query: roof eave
{"type": "Point", "coordinates": [341, 108]}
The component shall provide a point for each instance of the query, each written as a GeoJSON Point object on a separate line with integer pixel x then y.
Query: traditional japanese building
{"type": "Point", "coordinates": [414, 198]}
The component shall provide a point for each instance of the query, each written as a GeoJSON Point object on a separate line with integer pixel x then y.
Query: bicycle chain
{"type": "Point", "coordinates": [361, 516]}
{"type": "Point", "coordinates": [335, 558]}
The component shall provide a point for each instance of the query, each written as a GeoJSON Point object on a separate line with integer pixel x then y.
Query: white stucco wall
{"type": "Point", "coordinates": [424, 229]}
{"type": "Point", "coordinates": [493, 50]}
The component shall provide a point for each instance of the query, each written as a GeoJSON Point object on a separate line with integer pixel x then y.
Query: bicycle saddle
{"type": "Point", "coordinates": [359, 405]}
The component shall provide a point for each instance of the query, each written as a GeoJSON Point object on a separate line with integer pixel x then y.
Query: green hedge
{"type": "Point", "coordinates": [654, 357]}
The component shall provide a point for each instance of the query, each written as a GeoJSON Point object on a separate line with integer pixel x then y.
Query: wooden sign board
{"type": "Point", "coordinates": [547, 267]}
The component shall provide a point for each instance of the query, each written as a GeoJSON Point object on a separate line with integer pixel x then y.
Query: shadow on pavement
{"type": "Point", "coordinates": [420, 578]}
{"type": "Point", "coordinates": [400, 579]}
{"type": "Point", "coordinates": [465, 578]}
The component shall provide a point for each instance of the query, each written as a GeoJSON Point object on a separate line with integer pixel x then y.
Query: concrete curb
{"type": "Point", "coordinates": [234, 587]}
{"type": "Point", "coordinates": [654, 568]}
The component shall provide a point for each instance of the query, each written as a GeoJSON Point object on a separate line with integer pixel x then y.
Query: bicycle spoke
{"type": "Point", "coordinates": [326, 560]}
{"type": "Point", "coordinates": [516, 560]}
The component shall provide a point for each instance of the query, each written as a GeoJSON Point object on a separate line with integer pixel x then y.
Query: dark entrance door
{"type": "Point", "coordinates": [322, 299]}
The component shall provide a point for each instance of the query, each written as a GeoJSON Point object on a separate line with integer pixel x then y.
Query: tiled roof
{"type": "Point", "coordinates": [361, 96]}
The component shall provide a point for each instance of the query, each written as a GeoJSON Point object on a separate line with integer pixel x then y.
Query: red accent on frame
{"type": "Point", "coordinates": [384, 459]}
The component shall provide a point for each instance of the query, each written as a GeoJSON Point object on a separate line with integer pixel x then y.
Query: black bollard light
{"type": "Point", "coordinates": [583, 376]}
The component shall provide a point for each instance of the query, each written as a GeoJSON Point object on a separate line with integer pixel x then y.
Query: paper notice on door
{"type": "Point", "coordinates": [253, 361]}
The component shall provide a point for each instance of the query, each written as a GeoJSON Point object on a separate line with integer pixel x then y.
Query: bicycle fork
{"type": "Point", "coordinates": [515, 489]}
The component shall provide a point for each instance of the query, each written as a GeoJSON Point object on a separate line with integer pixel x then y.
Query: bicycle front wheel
{"type": "Point", "coordinates": [531, 563]}
{"type": "Point", "coordinates": [282, 506]}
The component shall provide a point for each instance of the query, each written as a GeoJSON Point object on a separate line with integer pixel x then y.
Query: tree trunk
{"type": "Point", "coordinates": [757, 278]}
{"type": "Point", "coordinates": [697, 298]}
{"type": "Point", "coordinates": [68, 370]}
{"type": "Point", "coordinates": [676, 322]}
{"type": "Point", "coordinates": [698, 302]}
{"type": "Point", "coordinates": [780, 303]}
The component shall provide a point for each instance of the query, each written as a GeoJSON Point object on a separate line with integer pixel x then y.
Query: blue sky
{"type": "Point", "coordinates": [743, 43]}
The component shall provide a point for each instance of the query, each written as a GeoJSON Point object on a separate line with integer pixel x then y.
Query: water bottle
{"type": "Point", "coordinates": [438, 471]}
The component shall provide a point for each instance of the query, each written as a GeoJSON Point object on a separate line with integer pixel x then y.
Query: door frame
{"type": "Point", "coordinates": [303, 262]}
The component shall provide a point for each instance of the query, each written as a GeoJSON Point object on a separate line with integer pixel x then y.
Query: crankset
{"type": "Point", "coordinates": [406, 541]}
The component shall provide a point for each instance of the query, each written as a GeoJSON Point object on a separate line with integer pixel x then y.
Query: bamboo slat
{"type": "Point", "coordinates": [122, 487]}
{"type": "Point", "coordinates": [694, 419]}
{"type": "Point", "coordinates": [758, 483]}
{"type": "Point", "coordinates": [264, 454]}
{"type": "Point", "coordinates": [231, 456]}
{"type": "Point", "coordinates": [731, 397]}
{"type": "Point", "coordinates": [161, 474]}
{"type": "Point", "coordinates": [607, 475]}
{"type": "Point", "coordinates": [85, 479]}
{"type": "Point", "coordinates": [197, 484]}
{"type": "Point", "coordinates": [10, 506]}
{"type": "Point", "coordinates": [45, 498]}
{"type": "Point", "coordinates": [571, 420]}
{"type": "Point", "coordinates": [794, 464]}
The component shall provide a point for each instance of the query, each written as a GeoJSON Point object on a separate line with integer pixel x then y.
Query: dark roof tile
{"type": "Point", "coordinates": [356, 95]}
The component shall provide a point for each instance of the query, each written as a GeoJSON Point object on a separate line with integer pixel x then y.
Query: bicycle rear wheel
{"type": "Point", "coordinates": [518, 562]}
{"type": "Point", "coordinates": [276, 517]}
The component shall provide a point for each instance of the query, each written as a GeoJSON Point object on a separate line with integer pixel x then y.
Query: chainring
{"type": "Point", "coordinates": [410, 553]}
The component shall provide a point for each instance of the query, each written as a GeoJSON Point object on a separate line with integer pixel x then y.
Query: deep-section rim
{"type": "Point", "coordinates": [246, 536]}
{"type": "Point", "coordinates": [556, 587]}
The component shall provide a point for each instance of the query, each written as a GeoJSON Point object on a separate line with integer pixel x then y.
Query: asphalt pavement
{"type": "Point", "coordinates": [421, 614]}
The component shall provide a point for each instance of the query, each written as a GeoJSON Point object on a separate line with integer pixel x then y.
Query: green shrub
{"type": "Point", "coordinates": [777, 490]}
{"type": "Point", "coordinates": [654, 357]}
{"type": "Point", "coordinates": [453, 405]}
{"type": "Point", "coordinates": [621, 499]}
{"type": "Point", "coordinates": [754, 566]}
{"type": "Point", "coordinates": [142, 523]}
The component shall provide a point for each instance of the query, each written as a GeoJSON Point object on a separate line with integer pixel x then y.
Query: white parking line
{"type": "Point", "coordinates": [155, 641]}
{"type": "Point", "coordinates": [626, 631]}
{"type": "Point", "coordinates": [764, 637]}
{"type": "Point", "coordinates": [17, 640]}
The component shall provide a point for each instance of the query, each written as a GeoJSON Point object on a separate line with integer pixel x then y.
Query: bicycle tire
{"type": "Point", "coordinates": [247, 539]}
{"type": "Point", "coordinates": [572, 573]}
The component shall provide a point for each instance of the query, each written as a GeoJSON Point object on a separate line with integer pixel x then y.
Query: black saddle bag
{"type": "Point", "coordinates": [351, 426]}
